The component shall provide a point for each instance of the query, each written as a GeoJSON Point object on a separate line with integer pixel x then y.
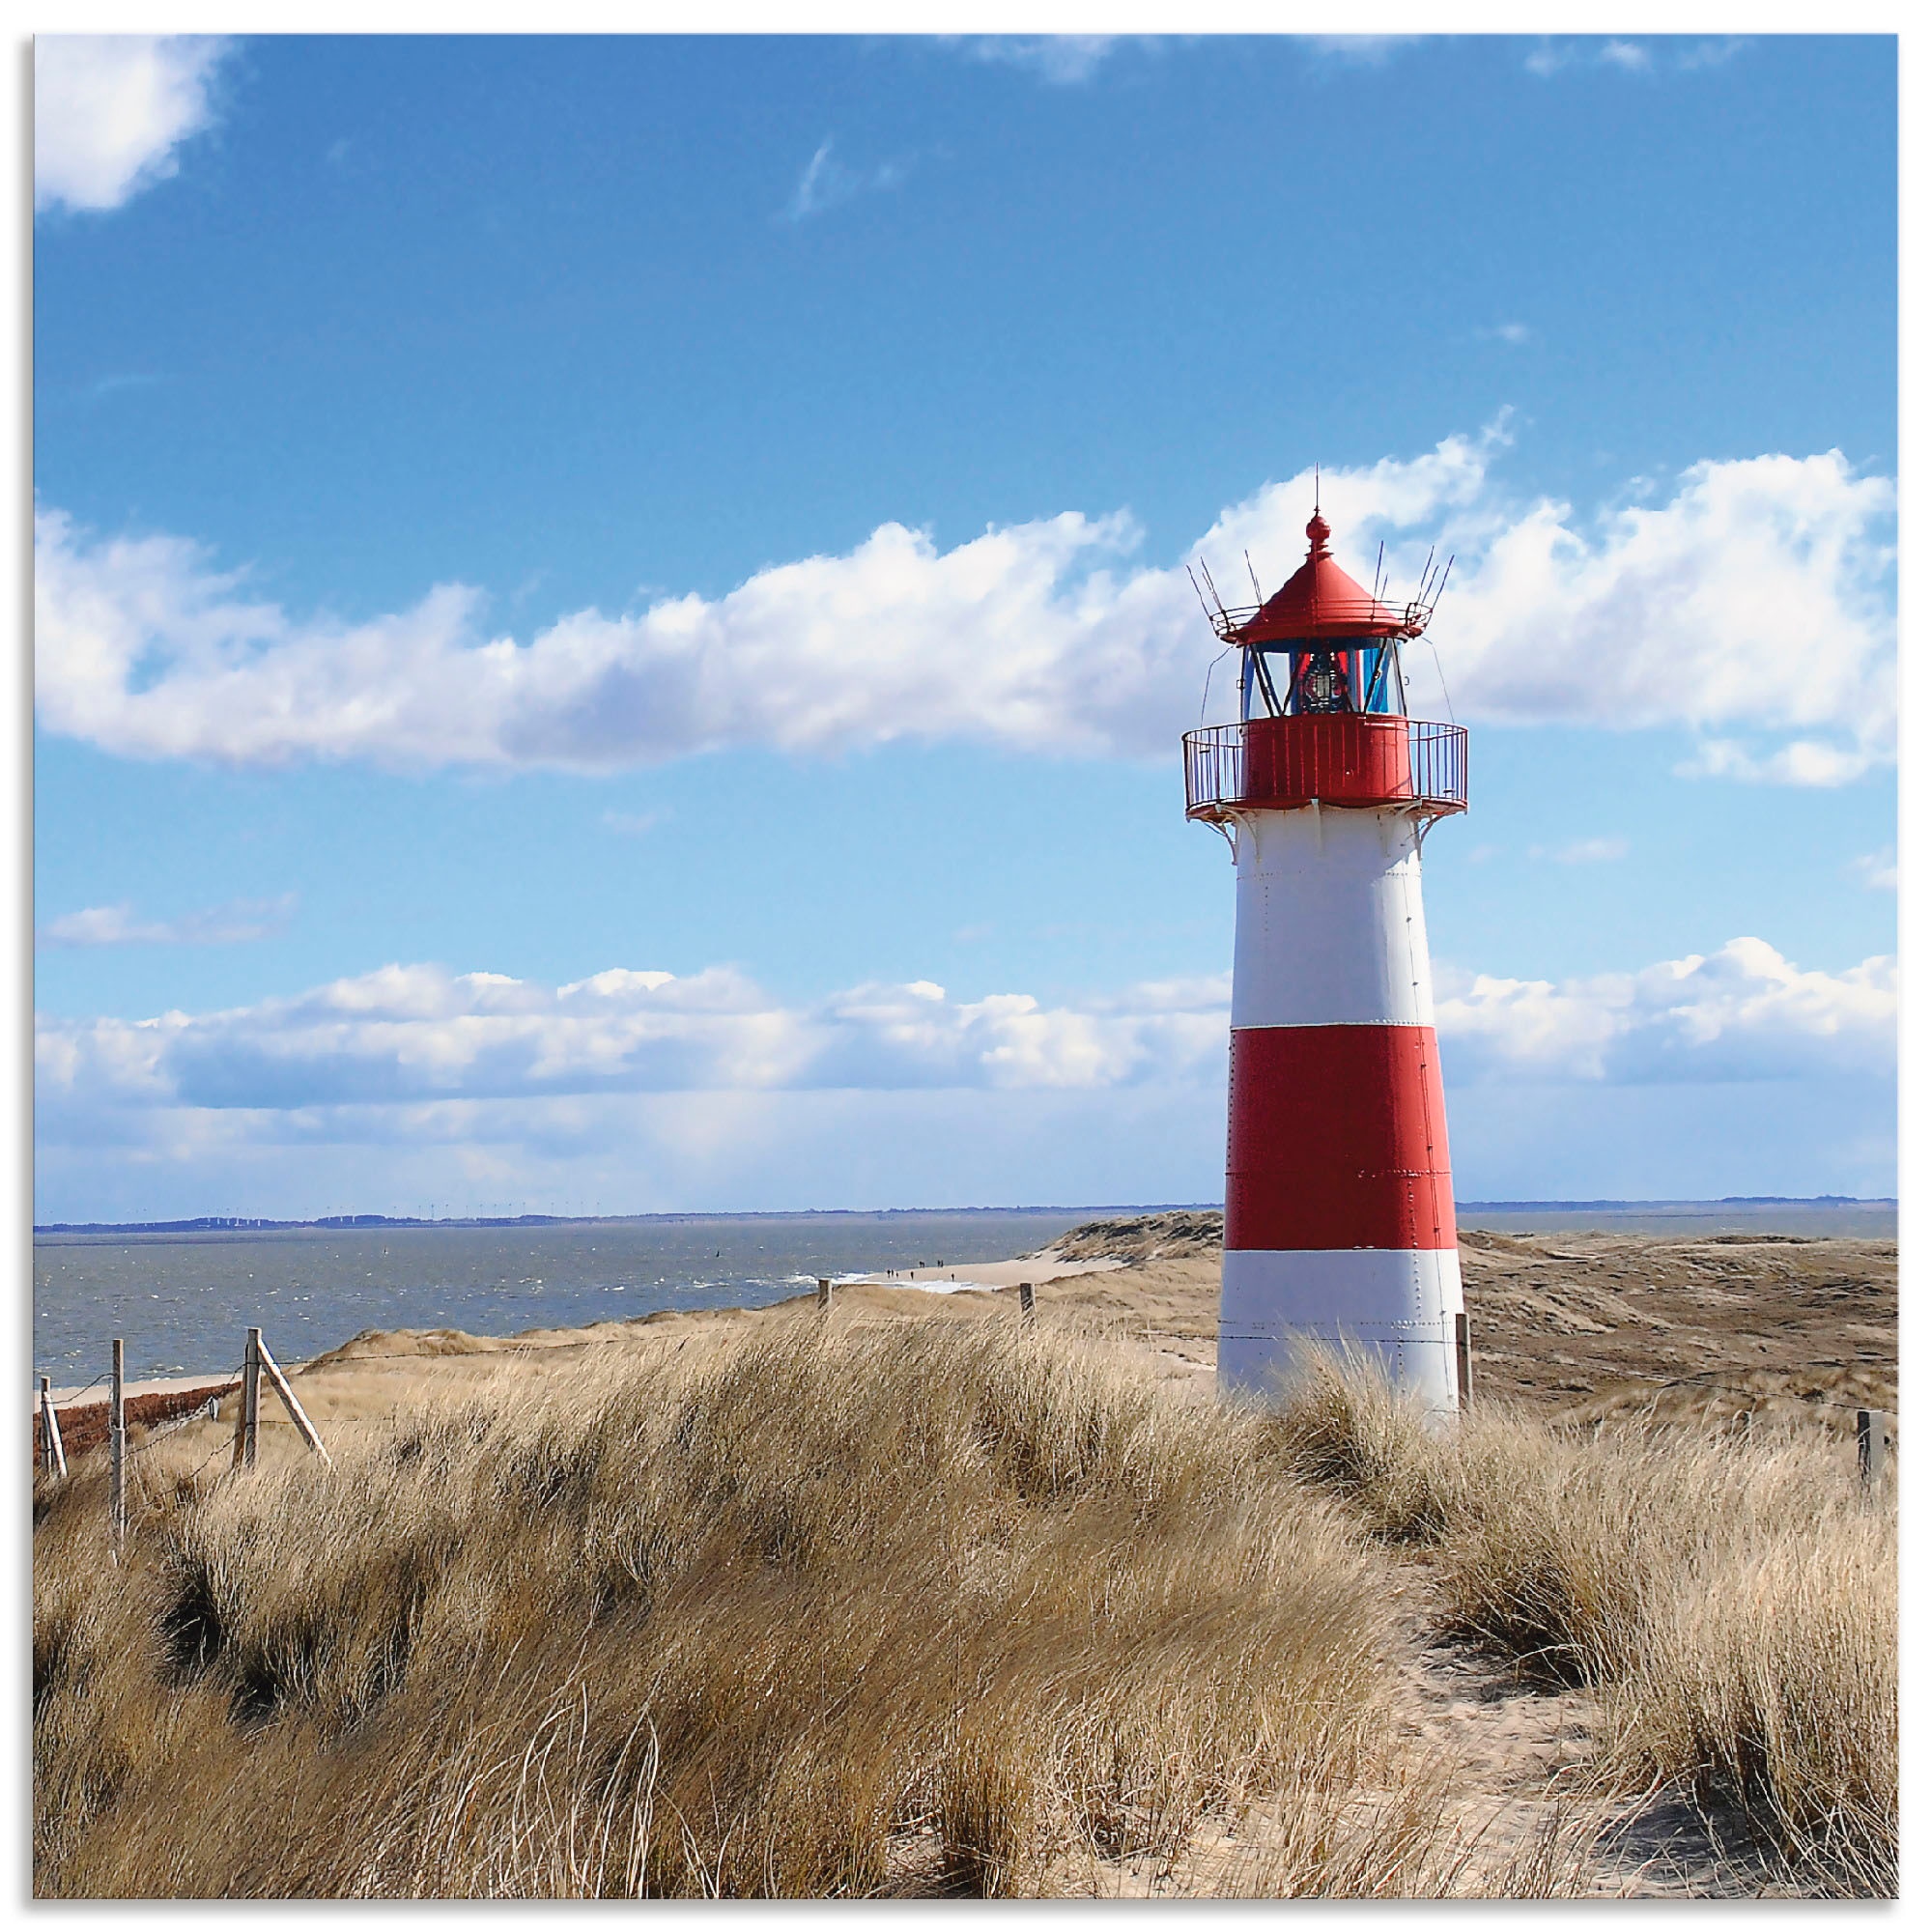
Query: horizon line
{"type": "Point", "coordinates": [348, 1223]}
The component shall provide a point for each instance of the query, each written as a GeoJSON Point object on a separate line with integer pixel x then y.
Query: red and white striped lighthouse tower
{"type": "Point", "coordinates": [1341, 1224]}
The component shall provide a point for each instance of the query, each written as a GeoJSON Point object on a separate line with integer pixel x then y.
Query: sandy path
{"type": "Point", "coordinates": [1524, 1780]}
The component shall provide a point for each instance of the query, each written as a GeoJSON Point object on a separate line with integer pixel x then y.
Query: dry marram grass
{"type": "Point", "coordinates": [931, 1604]}
{"type": "Point", "coordinates": [1733, 1595]}
{"type": "Point", "coordinates": [923, 1606]}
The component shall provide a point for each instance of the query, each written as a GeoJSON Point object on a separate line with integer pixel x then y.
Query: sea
{"type": "Point", "coordinates": [183, 1301]}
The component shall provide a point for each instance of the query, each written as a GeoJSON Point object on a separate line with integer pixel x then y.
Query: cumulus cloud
{"type": "Point", "coordinates": [1758, 593]}
{"type": "Point", "coordinates": [414, 1038]}
{"type": "Point", "coordinates": [416, 1034]}
{"type": "Point", "coordinates": [110, 111]}
{"type": "Point", "coordinates": [1754, 596]}
{"type": "Point", "coordinates": [1743, 1013]}
{"type": "Point", "coordinates": [647, 1090]}
{"type": "Point", "coordinates": [213, 925]}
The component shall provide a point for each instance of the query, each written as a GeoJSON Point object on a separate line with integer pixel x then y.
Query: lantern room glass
{"type": "Point", "coordinates": [1300, 675]}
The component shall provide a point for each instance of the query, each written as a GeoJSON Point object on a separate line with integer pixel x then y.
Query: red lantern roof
{"type": "Point", "coordinates": [1321, 599]}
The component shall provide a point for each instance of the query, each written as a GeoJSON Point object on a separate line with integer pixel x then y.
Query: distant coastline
{"type": "Point", "coordinates": [1663, 1206]}
{"type": "Point", "coordinates": [204, 1224]}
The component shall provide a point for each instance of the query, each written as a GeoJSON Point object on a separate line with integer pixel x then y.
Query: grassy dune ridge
{"type": "Point", "coordinates": [918, 1606]}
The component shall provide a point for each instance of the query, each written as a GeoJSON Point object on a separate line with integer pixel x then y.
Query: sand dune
{"type": "Point", "coordinates": [1577, 1328]}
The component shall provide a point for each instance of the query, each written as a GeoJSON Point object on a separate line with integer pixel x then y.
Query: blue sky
{"type": "Point", "coordinates": [519, 519]}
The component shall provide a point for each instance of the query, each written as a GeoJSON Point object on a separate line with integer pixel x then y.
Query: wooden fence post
{"type": "Point", "coordinates": [824, 1296]}
{"type": "Point", "coordinates": [297, 1414]}
{"type": "Point", "coordinates": [117, 1445]}
{"type": "Point", "coordinates": [53, 1452]}
{"type": "Point", "coordinates": [1871, 1444]}
{"type": "Point", "coordinates": [1466, 1377]}
{"type": "Point", "coordinates": [248, 1417]}
{"type": "Point", "coordinates": [1026, 1302]}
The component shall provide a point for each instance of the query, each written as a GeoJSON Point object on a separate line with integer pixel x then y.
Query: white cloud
{"type": "Point", "coordinates": [418, 1035]}
{"type": "Point", "coordinates": [1710, 53]}
{"type": "Point", "coordinates": [827, 182]}
{"type": "Point", "coordinates": [1743, 1013]}
{"type": "Point", "coordinates": [1804, 761]}
{"type": "Point", "coordinates": [406, 1039]}
{"type": "Point", "coordinates": [1755, 597]}
{"type": "Point", "coordinates": [1360, 49]}
{"type": "Point", "coordinates": [648, 1090]}
{"type": "Point", "coordinates": [1757, 594]}
{"type": "Point", "coordinates": [1063, 60]}
{"type": "Point", "coordinates": [635, 824]}
{"type": "Point", "coordinates": [1586, 851]}
{"type": "Point", "coordinates": [111, 109]}
{"type": "Point", "coordinates": [1552, 57]}
{"type": "Point", "coordinates": [102, 386]}
{"type": "Point", "coordinates": [214, 926]}
{"type": "Point", "coordinates": [1878, 869]}
{"type": "Point", "coordinates": [1515, 333]}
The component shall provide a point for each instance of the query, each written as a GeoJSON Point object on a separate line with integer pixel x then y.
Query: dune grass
{"type": "Point", "coordinates": [1732, 1595]}
{"type": "Point", "coordinates": [933, 1607]}
{"type": "Point", "coordinates": [929, 1607]}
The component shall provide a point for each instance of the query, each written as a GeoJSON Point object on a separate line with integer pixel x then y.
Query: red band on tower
{"type": "Point", "coordinates": [1337, 1139]}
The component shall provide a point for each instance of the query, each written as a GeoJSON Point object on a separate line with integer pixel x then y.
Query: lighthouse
{"type": "Point", "coordinates": [1341, 1222]}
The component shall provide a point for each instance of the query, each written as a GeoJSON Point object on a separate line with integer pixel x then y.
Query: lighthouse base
{"type": "Point", "coordinates": [1396, 1306]}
